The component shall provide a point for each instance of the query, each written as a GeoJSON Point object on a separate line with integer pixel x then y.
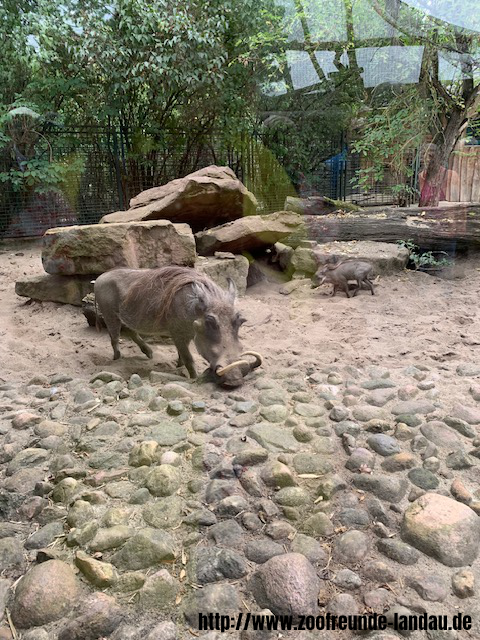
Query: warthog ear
{"type": "Point", "coordinates": [239, 320]}
{"type": "Point", "coordinates": [199, 298]}
{"type": "Point", "coordinates": [232, 289]}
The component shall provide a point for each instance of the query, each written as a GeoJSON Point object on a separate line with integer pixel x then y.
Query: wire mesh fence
{"type": "Point", "coordinates": [104, 169]}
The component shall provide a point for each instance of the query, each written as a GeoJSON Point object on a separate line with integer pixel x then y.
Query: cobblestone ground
{"type": "Point", "coordinates": [129, 506]}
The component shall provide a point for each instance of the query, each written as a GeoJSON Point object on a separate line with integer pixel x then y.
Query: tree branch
{"type": "Point", "coordinates": [395, 23]}
{"type": "Point", "coordinates": [309, 47]}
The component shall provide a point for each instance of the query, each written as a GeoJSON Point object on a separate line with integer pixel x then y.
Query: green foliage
{"type": "Point", "coordinates": [390, 134]}
{"type": "Point", "coordinates": [151, 66]}
{"type": "Point", "coordinates": [40, 175]}
{"type": "Point", "coordinates": [147, 66]}
{"type": "Point", "coordinates": [424, 259]}
{"type": "Point", "coordinates": [31, 167]}
{"type": "Point", "coordinates": [143, 63]}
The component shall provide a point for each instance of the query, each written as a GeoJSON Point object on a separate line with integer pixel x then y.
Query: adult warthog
{"type": "Point", "coordinates": [183, 302]}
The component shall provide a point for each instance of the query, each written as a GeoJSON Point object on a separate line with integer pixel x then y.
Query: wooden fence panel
{"type": "Point", "coordinates": [464, 178]}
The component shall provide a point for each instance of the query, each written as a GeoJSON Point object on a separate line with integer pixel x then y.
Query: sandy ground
{"type": "Point", "coordinates": [413, 318]}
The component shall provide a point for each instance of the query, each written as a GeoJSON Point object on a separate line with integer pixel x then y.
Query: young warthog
{"type": "Point", "coordinates": [340, 273]}
{"type": "Point", "coordinates": [183, 302]}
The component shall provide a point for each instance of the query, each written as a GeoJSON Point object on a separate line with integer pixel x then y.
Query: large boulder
{"type": "Point", "coordinates": [223, 266]}
{"type": "Point", "coordinates": [248, 234]}
{"type": "Point", "coordinates": [208, 197]}
{"type": "Point", "coordinates": [95, 248]}
{"type": "Point", "coordinates": [64, 289]}
{"type": "Point", "coordinates": [386, 257]}
{"type": "Point", "coordinates": [46, 593]}
{"type": "Point", "coordinates": [443, 528]}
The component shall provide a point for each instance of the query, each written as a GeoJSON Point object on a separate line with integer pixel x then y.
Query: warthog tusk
{"type": "Point", "coordinates": [256, 355]}
{"type": "Point", "coordinates": [223, 370]}
{"type": "Point", "coordinates": [238, 363]}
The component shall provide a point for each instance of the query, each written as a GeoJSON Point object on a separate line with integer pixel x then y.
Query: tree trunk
{"type": "Point", "coordinates": [436, 172]}
{"type": "Point", "coordinates": [442, 228]}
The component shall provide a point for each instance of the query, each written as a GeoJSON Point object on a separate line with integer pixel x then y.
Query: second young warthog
{"type": "Point", "coordinates": [339, 274]}
{"type": "Point", "coordinates": [183, 302]}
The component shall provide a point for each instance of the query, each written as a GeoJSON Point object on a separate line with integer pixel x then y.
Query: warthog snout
{"type": "Point", "coordinates": [232, 375]}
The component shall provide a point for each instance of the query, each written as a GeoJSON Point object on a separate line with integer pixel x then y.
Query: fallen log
{"type": "Point", "coordinates": [433, 228]}
{"type": "Point", "coordinates": [318, 205]}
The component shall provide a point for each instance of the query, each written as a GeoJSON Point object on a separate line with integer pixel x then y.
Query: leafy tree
{"type": "Point", "coordinates": [437, 108]}
{"type": "Point", "coordinates": [387, 121]}
{"type": "Point", "coordinates": [149, 67]}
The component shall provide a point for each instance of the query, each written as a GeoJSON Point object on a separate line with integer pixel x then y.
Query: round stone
{"type": "Point", "coordinates": [46, 593]}
{"type": "Point", "coordinates": [360, 459]}
{"type": "Point", "coordinates": [463, 583]}
{"type": "Point", "coordinates": [310, 548]}
{"type": "Point", "coordinates": [286, 584]}
{"type": "Point", "coordinates": [430, 587]}
{"type": "Point", "coordinates": [351, 547]}
{"type": "Point", "coordinates": [398, 551]}
{"type": "Point", "coordinates": [383, 445]}
{"type": "Point", "coordinates": [423, 478]}
{"type": "Point", "coordinates": [347, 579]}
{"type": "Point", "coordinates": [163, 480]}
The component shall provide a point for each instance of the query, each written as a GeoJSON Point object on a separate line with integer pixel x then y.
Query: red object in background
{"type": "Point", "coordinates": [44, 211]}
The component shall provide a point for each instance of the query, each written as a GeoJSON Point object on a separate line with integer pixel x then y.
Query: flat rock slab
{"type": "Point", "coordinates": [385, 487]}
{"type": "Point", "coordinates": [95, 248]}
{"type": "Point", "coordinates": [168, 434]}
{"type": "Point", "coordinates": [413, 407]}
{"type": "Point", "coordinates": [468, 370]}
{"type": "Point", "coordinates": [441, 435]}
{"type": "Point", "coordinates": [386, 257]}
{"type": "Point", "coordinates": [443, 528]}
{"type": "Point", "coordinates": [213, 597]}
{"type": "Point", "coordinates": [466, 413]}
{"type": "Point", "coordinates": [211, 196]}
{"type": "Point", "coordinates": [249, 233]}
{"type": "Point", "coordinates": [48, 288]}
{"type": "Point", "coordinates": [221, 268]}
{"type": "Point", "coordinates": [273, 438]}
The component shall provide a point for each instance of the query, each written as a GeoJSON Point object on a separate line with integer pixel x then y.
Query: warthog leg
{"type": "Point", "coordinates": [138, 340]}
{"type": "Point", "coordinates": [184, 356]}
{"type": "Point", "coordinates": [369, 285]}
{"type": "Point", "coordinates": [114, 327]}
{"type": "Point", "coordinates": [344, 285]}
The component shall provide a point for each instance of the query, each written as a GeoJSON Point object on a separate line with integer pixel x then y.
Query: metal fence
{"type": "Point", "coordinates": [103, 172]}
